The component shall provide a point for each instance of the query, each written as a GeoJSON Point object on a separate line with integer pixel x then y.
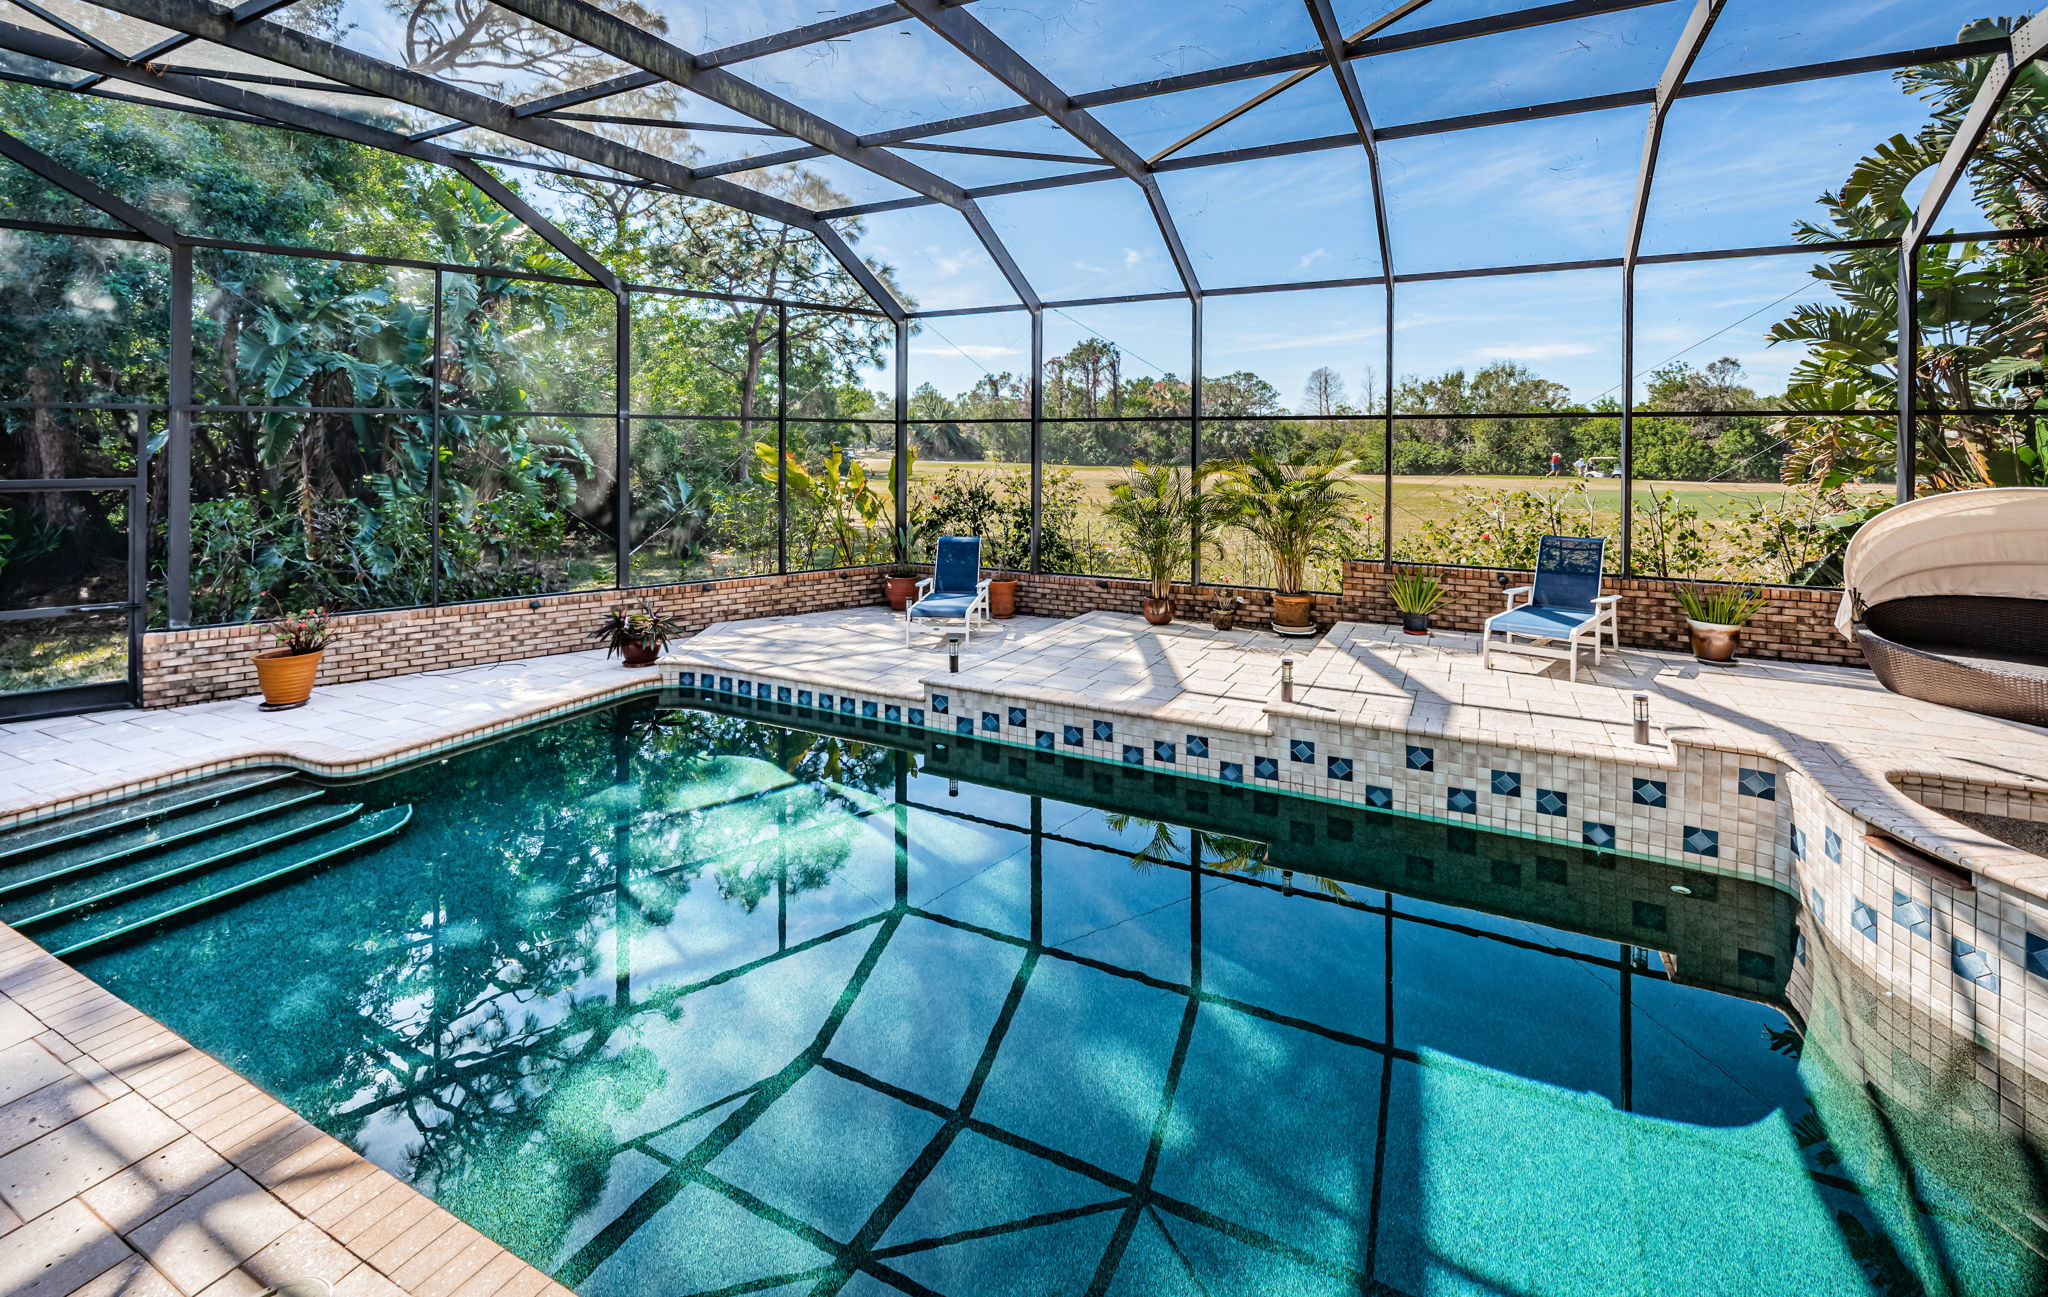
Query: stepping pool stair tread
{"type": "Point", "coordinates": [84, 880]}
{"type": "Point", "coordinates": [45, 835]}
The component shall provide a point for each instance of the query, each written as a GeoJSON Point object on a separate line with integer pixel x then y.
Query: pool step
{"type": "Point", "coordinates": [132, 812]}
{"type": "Point", "coordinates": [118, 844]}
{"type": "Point", "coordinates": [76, 928]}
{"type": "Point", "coordinates": [80, 890]}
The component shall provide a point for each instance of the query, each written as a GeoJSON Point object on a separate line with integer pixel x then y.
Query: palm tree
{"type": "Point", "coordinates": [1166, 518]}
{"type": "Point", "coordinates": [1295, 511]}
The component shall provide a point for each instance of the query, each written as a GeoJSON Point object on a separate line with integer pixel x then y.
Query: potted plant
{"type": "Point", "coordinates": [286, 672]}
{"type": "Point", "coordinates": [901, 583]}
{"type": "Point", "coordinates": [1297, 513]}
{"type": "Point", "coordinates": [1225, 617]}
{"type": "Point", "coordinates": [636, 633]}
{"type": "Point", "coordinates": [1416, 595]}
{"type": "Point", "coordinates": [1163, 516]}
{"type": "Point", "coordinates": [1714, 617]}
{"type": "Point", "coordinates": [1002, 597]}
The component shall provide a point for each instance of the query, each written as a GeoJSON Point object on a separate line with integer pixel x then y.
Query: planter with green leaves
{"type": "Point", "coordinates": [636, 632]}
{"type": "Point", "coordinates": [285, 673]}
{"type": "Point", "coordinates": [1163, 517]}
{"type": "Point", "coordinates": [1297, 513]}
{"type": "Point", "coordinates": [1416, 595]}
{"type": "Point", "coordinates": [901, 582]}
{"type": "Point", "coordinates": [1714, 617]}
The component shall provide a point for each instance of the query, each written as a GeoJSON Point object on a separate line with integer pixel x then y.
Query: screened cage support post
{"type": "Point", "coordinates": [903, 436]}
{"type": "Point", "coordinates": [781, 440]}
{"type": "Point", "coordinates": [1037, 428]}
{"type": "Point", "coordinates": [2029, 41]}
{"type": "Point", "coordinates": [434, 453]}
{"type": "Point", "coordinates": [178, 447]}
{"type": "Point", "coordinates": [1195, 422]}
{"type": "Point", "coordinates": [1683, 55]}
{"type": "Point", "coordinates": [622, 474]}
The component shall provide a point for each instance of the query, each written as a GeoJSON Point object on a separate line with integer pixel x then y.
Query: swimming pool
{"type": "Point", "coordinates": [679, 999]}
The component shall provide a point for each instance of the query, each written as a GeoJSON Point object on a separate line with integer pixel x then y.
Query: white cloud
{"type": "Point", "coordinates": [1310, 258]}
{"type": "Point", "coordinates": [1537, 350]}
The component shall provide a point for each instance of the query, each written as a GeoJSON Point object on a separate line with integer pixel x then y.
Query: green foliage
{"type": "Point", "coordinates": [1722, 605]}
{"type": "Point", "coordinates": [636, 625]}
{"type": "Point", "coordinates": [997, 507]}
{"type": "Point", "coordinates": [1296, 512]}
{"type": "Point", "coordinates": [1417, 593]}
{"type": "Point", "coordinates": [1164, 517]}
{"type": "Point", "coordinates": [306, 630]}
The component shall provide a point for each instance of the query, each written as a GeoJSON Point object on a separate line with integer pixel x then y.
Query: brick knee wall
{"type": "Point", "coordinates": [1796, 625]}
{"type": "Point", "coordinates": [189, 666]}
{"type": "Point", "coordinates": [200, 665]}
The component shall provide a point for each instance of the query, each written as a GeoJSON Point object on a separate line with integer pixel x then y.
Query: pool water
{"type": "Point", "coordinates": [677, 1000]}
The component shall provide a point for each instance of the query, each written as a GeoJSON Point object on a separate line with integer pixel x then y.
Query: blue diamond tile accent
{"type": "Point", "coordinates": [2037, 955]}
{"type": "Point", "coordinates": [1163, 751]}
{"type": "Point", "coordinates": [1831, 842]}
{"type": "Point", "coordinates": [1301, 750]}
{"type": "Point", "coordinates": [1105, 731]}
{"type": "Point", "coordinates": [1421, 758]}
{"type": "Point", "coordinates": [782, 693]}
{"type": "Point", "coordinates": [1820, 906]}
{"type": "Point", "coordinates": [1197, 746]}
{"type": "Point", "coordinates": [892, 712]}
{"type": "Point", "coordinates": [687, 679]}
{"type": "Point", "coordinates": [1597, 835]}
{"type": "Point", "coordinates": [1133, 755]}
{"type": "Point", "coordinates": [1017, 716]}
{"type": "Point", "coordinates": [803, 697]}
{"type": "Point", "coordinates": [1758, 783]}
{"type": "Point", "coordinates": [845, 705]}
{"type": "Point", "coordinates": [1265, 768]}
{"type": "Point", "coordinates": [1650, 792]}
{"type": "Point", "coordinates": [1230, 772]}
{"type": "Point", "coordinates": [869, 710]}
{"type": "Point", "coordinates": [1551, 802]}
{"type": "Point", "coordinates": [1974, 964]}
{"type": "Point", "coordinates": [990, 722]}
{"type": "Point", "coordinates": [940, 703]}
{"type": "Point", "coordinates": [917, 716]}
{"type": "Point", "coordinates": [825, 701]}
{"type": "Point", "coordinates": [746, 689]}
{"type": "Point", "coordinates": [1070, 735]}
{"type": "Point", "coordinates": [1795, 838]}
{"type": "Point", "coordinates": [963, 725]}
{"type": "Point", "coordinates": [1339, 768]}
{"type": "Point", "coordinates": [1383, 798]}
{"type": "Point", "coordinates": [1701, 842]}
{"type": "Point", "coordinates": [1461, 801]}
{"type": "Point", "coordinates": [1507, 783]}
{"type": "Point", "coordinates": [1043, 739]}
{"type": "Point", "coordinates": [1912, 915]}
{"type": "Point", "coordinates": [1864, 919]}
{"type": "Point", "coordinates": [725, 684]}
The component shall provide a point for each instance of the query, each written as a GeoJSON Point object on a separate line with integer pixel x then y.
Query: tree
{"type": "Point", "coordinates": [1323, 397]}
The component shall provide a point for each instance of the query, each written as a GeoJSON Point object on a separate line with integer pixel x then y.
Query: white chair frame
{"type": "Point", "coordinates": [978, 607]}
{"type": "Point", "coordinates": [1603, 621]}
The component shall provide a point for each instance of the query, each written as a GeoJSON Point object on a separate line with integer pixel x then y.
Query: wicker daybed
{"type": "Point", "coordinates": [1947, 596]}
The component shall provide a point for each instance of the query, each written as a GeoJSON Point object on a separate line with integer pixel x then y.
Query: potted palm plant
{"type": "Point", "coordinates": [636, 633]}
{"type": "Point", "coordinates": [1714, 617]}
{"type": "Point", "coordinates": [285, 673]}
{"type": "Point", "coordinates": [1297, 512]}
{"type": "Point", "coordinates": [1164, 517]}
{"type": "Point", "coordinates": [1416, 595]}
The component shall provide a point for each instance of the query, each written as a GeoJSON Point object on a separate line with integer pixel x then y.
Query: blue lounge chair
{"type": "Point", "coordinates": [954, 589]}
{"type": "Point", "coordinates": [1564, 604]}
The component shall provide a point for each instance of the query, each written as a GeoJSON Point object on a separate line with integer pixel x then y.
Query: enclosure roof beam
{"type": "Point", "coordinates": [20, 151]}
{"type": "Point", "coordinates": [25, 41]}
{"type": "Point", "coordinates": [620, 39]}
{"type": "Point", "coordinates": [1470, 121]}
{"type": "Point", "coordinates": [994, 56]}
{"type": "Point", "coordinates": [1683, 55]}
{"type": "Point", "coordinates": [1324, 17]}
{"type": "Point", "coordinates": [2029, 40]}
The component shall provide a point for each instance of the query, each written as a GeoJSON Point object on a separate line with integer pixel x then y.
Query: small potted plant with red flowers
{"type": "Point", "coordinates": [286, 672]}
{"type": "Point", "coordinates": [636, 633]}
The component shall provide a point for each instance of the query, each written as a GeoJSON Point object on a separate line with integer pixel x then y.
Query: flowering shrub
{"type": "Point", "coordinates": [305, 631]}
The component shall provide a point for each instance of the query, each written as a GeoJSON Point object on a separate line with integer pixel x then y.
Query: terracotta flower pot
{"type": "Point", "coordinates": [1291, 614]}
{"type": "Point", "coordinates": [1713, 643]}
{"type": "Point", "coordinates": [286, 677]}
{"type": "Point", "coordinates": [899, 589]}
{"type": "Point", "coordinates": [1158, 611]}
{"type": "Point", "coordinates": [1002, 599]}
{"type": "Point", "coordinates": [639, 655]}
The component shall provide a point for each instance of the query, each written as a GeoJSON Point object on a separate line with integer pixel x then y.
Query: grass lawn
{"type": "Point", "coordinates": [39, 655]}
